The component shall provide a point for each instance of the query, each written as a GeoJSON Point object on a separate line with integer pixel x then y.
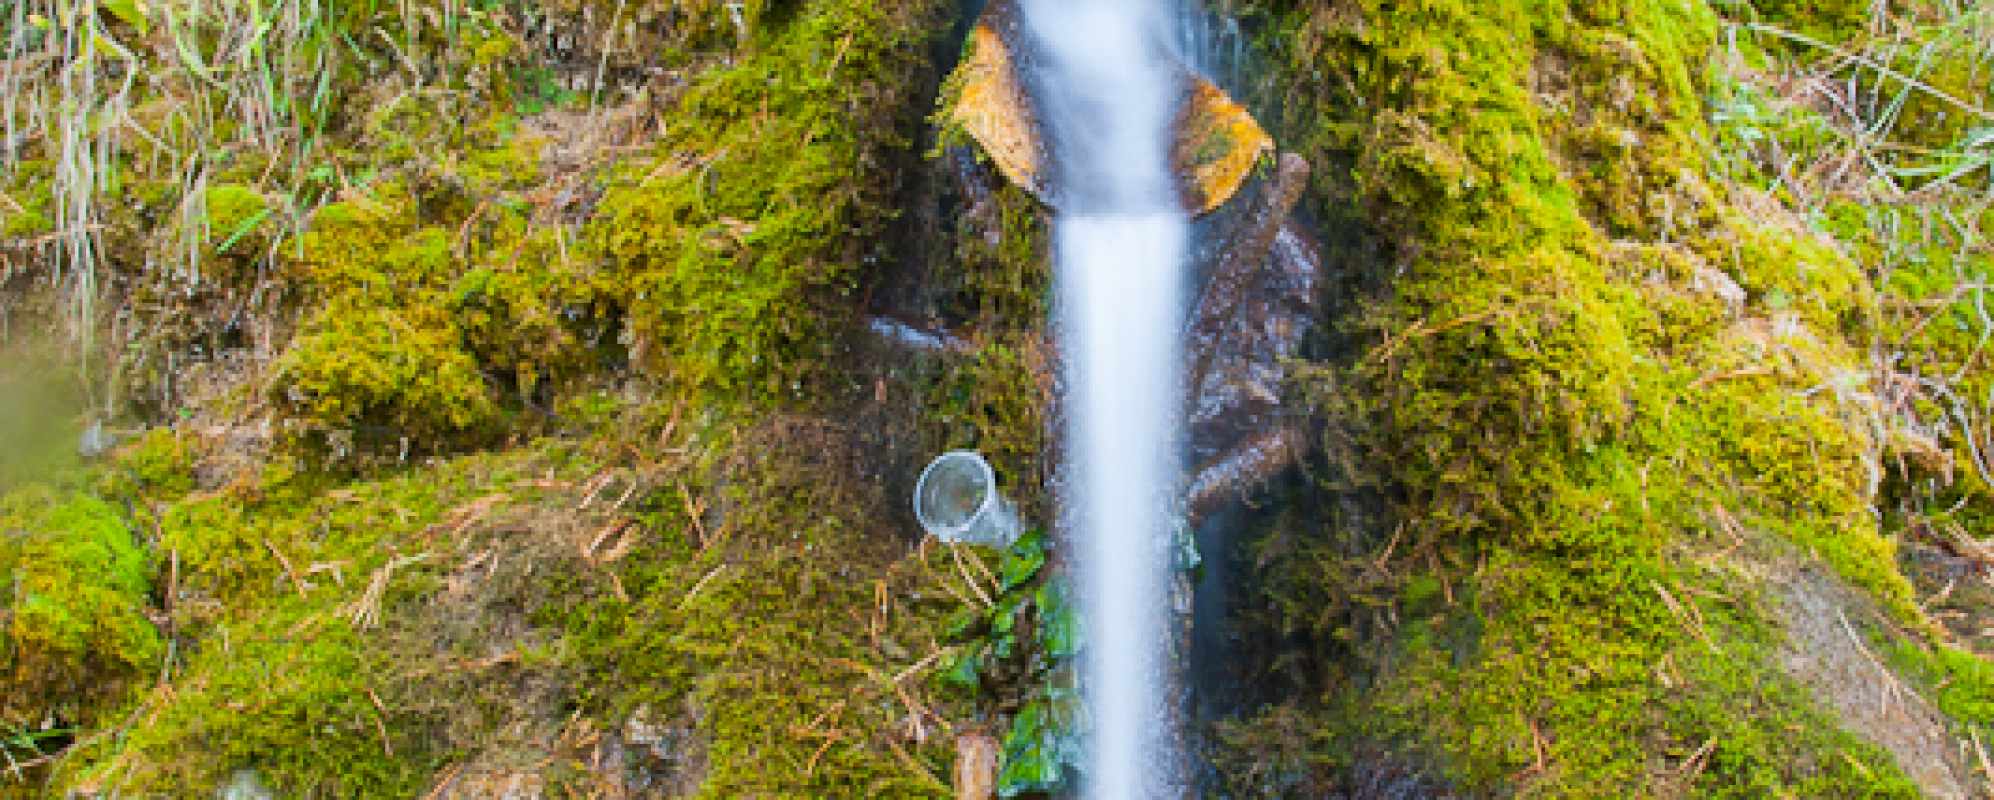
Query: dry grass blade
{"type": "Point", "coordinates": [365, 612]}
{"type": "Point", "coordinates": [1873, 64]}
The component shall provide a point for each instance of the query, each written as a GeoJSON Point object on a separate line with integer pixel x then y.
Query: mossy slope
{"type": "Point", "coordinates": [1595, 389]}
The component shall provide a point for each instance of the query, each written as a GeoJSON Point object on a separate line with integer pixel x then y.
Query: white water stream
{"type": "Point", "coordinates": [1108, 89]}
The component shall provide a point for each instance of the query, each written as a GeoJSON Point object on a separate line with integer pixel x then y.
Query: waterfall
{"type": "Point", "coordinates": [1108, 88]}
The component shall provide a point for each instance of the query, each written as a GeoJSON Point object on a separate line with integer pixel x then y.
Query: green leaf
{"type": "Point", "coordinates": [961, 624]}
{"type": "Point", "coordinates": [1029, 765]}
{"type": "Point", "coordinates": [133, 12]}
{"type": "Point", "coordinates": [964, 668]}
{"type": "Point", "coordinates": [1023, 560]}
{"type": "Point", "coordinates": [1060, 632]}
{"type": "Point", "coordinates": [1043, 742]}
{"type": "Point", "coordinates": [243, 229]}
{"type": "Point", "coordinates": [1004, 624]}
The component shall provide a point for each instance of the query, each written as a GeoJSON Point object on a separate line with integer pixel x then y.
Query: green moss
{"type": "Point", "coordinates": [995, 401]}
{"type": "Point", "coordinates": [159, 464]}
{"type": "Point", "coordinates": [25, 224]}
{"type": "Point", "coordinates": [286, 695]}
{"type": "Point", "coordinates": [1565, 422]}
{"type": "Point", "coordinates": [538, 325]}
{"type": "Point", "coordinates": [447, 285]}
{"type": "Point", "coordinates": [423, 331]}
{"type": "Point", "coordinates": [768, 638]}
{"type": "Point", "coordinates": [1794, 271]}
{"type": "Point", "coordinates": [1960, 682]}
{"type": "Point", "coordinates": [224, 552]}
{"type": "Point", "coordinates": [764, 636]}
{"type": "Point", "coordinates": [512, 165]}
{"type": "Point", "coordinates": [76, 632]}
{"type": "Point", "coordinates": [236, 216]}
{"type": "Point", "coordinates": [382, 373]}
{"type": "Point", "coordinates": [1832, 20]}
{"type": "Point", "coordinates": [280, 669]}
{"type": "Point", "coordinates": [766, 199]}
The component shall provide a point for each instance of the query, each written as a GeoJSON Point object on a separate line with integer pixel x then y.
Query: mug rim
{"type": "Point", "coordinates": [982, 508]}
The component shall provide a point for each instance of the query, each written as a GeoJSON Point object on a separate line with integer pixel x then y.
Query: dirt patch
{"type": "Point", "coordinates": [1826, 652]}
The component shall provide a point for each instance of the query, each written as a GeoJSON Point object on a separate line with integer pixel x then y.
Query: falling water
{"type": "Point", "coordinates": [1108, 90]}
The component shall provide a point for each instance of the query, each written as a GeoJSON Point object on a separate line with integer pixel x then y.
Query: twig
{"type": "Point", "coordinates": [1980, 754]}
{"type": "Point", "coordinates": [694, 591]}
{"type": "Point", "coordinates": [381, 713]}
{"type": "Point", "coordinates": [628, 491]}
{"type": "Point", "coordinates": [449, 777]}
{"type": "Point", "coordinates": [955, 552]}
{"type": "Point", "coordinates": [1697, 761]}
{"type": "Point", "coordinates": [1686, 616]}
{"type": "Point", "coordinates": [596, 485]}
{"type": "Point", "coordinates": [921, 555]}
{"type": "Point", "coordinates": [694, 512]}
{"type": "Point", "coordinates": [1730, 374]}
{"type": "Point", "coordinates": [288, 571]}
{"type": "Point", "coordinates": [1891, 687]}
{"type": "Point", "coordinates": [366, 612]}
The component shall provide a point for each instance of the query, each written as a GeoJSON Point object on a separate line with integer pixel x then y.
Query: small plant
{"type": "Point", "coordinates": [1024, 644]}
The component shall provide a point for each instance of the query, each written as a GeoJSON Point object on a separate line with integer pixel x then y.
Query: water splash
{"type": "Point", "coordinates": [1118, 281]}
{"type": "Point", "coordinates": [1108, 89]}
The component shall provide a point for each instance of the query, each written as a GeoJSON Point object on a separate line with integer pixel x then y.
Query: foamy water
{"type": "Point", "coordinates": [1108, 91]}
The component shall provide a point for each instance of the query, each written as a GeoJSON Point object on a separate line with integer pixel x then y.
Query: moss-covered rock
{"type": "Point", "coordinates": [736, 238]}
{"type": "Point", "coordinates": [77, 637]}
{"type": "Point", "coordinates": [382, 373]}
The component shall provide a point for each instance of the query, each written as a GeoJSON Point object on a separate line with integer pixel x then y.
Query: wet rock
{"type": "Point", "coordinates": [994, 107]}
{"type": "Point", "coordinates": [1258, 305]}
{"type": "Point", "coordinates": [1217, 146]}
{"type": "Point", "coordinates": [918, 338]}
{"type": "Point", "coordinates": [1247, 464]}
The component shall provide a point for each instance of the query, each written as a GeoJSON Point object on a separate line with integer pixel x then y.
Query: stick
{"type": "Point", "coordinates": [288, 572]}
